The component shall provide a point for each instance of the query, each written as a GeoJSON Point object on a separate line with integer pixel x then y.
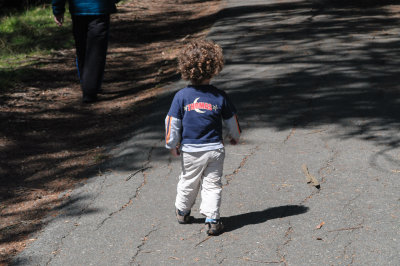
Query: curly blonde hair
{"type": "Point", "coordinates": [200, 60]}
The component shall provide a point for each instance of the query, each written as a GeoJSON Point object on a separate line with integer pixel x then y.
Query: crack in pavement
{"type": "Point", "coordinates": [288, 238]}
{"type": "Point", "coordinates": [347, 205]}
{"type": "Point", "coordinates": [130, 201]}
{"type": "Point", "coordinates": [329, 163]}
{"type": "Point", "coordinates": [323, 173]}
{"type": "Point", "coordinates": [325, 170]}
{"type": "Point", "coordinates": [351, 229]}
{"type": "Point", "coordinates": [140, 247]}
{"type": "Point", "coordinates": [145, 166]}
{"type": "Point", "coordinates": [345, 251]}
{"type": "Point", "coordinates": [349, 243]}
{"type": "Point", "coordinates": [137, 191]}
{"type": "Point", "coordinates": [291, 133]}
{"type": "Point", "coordinates": [242, 163]}
{"type": "Point", "coordinates": [260, 261]}
{"type": "Point", "coordinates": [57, 250]}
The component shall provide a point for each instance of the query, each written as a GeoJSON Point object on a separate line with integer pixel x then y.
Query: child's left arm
{"type": "Point", "coordinates": [231, 120]}
{"type": "Point", "coordinates": [234, 130]}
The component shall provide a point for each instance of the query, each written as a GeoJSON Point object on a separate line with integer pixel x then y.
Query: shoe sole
{"type": "Point", "coordinates": [212, 232]}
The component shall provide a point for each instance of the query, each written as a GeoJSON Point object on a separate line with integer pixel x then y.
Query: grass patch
{"type": "Point", "coordinates": [32, 32]}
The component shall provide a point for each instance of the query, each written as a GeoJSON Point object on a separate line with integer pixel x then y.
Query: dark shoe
{"type": "Point", "coordinates": [214, 228]}
{"type": "Point", "coordinates": [89, 98]}
{"type": "Point", "coordinates": [183, 217]}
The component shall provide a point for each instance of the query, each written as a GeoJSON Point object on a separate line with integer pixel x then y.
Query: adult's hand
{"type": "Point", "coordinates": [59, 19]}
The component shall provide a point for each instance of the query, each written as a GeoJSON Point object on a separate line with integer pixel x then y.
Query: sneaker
{"type": "Point", "coordinates": [89, 98]}
{"type": "Point", "coordinates": [214, 228]}
{"type": "Point", "coordinates": [183, 217]}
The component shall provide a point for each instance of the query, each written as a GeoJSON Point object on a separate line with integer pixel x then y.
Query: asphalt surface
{"type": "Point", "coordinates": [317, 90]}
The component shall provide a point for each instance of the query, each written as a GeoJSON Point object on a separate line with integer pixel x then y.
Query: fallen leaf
{"type": "Point", "coordinates": [320, 225]}
{"type": "Point", "coordinates": [309, 177]}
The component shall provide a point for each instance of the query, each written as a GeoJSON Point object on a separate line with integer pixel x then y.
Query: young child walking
{"type": "Point", "coordinates": [194, 131]}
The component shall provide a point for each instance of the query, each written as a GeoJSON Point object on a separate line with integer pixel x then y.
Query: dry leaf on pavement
{"type": "Point", "coordinates": [320, 225]}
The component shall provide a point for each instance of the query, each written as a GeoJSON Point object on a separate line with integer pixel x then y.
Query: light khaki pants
{"type": "Point", "coordinates": [201, 170]}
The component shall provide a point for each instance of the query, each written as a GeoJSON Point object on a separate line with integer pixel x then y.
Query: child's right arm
{"type": "Point", "coordinates": [173, 127]}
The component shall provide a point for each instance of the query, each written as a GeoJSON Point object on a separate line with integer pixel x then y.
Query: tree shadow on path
{"type": "Point", "coordinates": [314, 66]}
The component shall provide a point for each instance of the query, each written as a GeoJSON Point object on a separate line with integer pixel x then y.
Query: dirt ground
{"type": "Point", "coordinates": [48, 138]}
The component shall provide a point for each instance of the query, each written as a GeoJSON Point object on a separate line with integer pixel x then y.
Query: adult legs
{"type": "Point", "coordinates": [79, 30]}
{"type": "Point", "coordinates": [91, 41]}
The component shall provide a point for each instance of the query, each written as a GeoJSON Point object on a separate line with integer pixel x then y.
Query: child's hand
{"type": "Point", "coordinates": [175, 152]}
{"type": "Point", "coordinates": [233, 141]}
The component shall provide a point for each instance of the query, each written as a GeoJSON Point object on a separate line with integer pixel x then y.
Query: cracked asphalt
{"type": "Point", "coordinates": [315, 85]}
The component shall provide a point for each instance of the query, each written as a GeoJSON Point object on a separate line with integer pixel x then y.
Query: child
{"type": "Point", "coordinates": [194, 128]}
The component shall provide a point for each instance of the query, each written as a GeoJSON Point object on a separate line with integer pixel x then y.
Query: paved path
{"type": "Point", "coordinates": [315, 86]}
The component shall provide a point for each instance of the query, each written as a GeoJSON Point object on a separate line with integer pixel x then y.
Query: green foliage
{"type": "Point", "coordinates": [33, 31]}
{"type": "Point", "coordinates": [26, 34]}
{"type": "Point", "coordinates": [21, 4]}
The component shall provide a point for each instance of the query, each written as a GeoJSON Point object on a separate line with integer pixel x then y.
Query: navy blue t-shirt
{"type": "Point", "coordinates": [201, 110]}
